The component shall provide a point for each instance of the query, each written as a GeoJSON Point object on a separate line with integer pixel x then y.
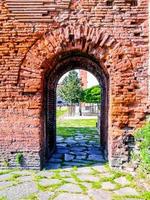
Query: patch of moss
{"type": "Point", "coordinates": [31, 197]}
{"type": "Point", "coordinates": [75, 177]}
{"type": "Point", "coordinates": [6, 171]}
{"type": "Point", "coordinates": [3, 198]}
{"type": "Point", "coordinates": [96, 185]}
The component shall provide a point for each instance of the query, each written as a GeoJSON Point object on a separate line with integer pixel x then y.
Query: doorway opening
{"type": "Point", "coordinates": [76, 140]}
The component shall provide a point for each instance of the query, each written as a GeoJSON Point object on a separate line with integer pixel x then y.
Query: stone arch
{"type": "Point", "coordinates": [109, 54]}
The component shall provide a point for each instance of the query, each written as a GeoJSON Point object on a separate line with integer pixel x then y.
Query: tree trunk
{"type": "Point", "coordinates": [80, 109]}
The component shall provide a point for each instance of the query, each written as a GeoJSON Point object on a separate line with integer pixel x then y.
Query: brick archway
{"type": "Point", "coordinates": [113, 59]}
{"type": "Point", "coordinates": [66, 62]}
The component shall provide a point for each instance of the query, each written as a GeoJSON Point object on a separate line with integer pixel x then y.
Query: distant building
{"type": "Point", "coordinates": [83, 76]}
{"type": "Point", "coordinates": [88, 80]}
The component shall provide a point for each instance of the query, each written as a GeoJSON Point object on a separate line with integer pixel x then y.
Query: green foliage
{"type": "Point", "coordinates": [92, 95]}
{"type": "Point", "coordinates": [71, 89]}
{"type": "Point", "coordinates": [19, 158]}
{"type": "Point", "coordinates": [143, 135]}
{"type": "Point", "coordinates": [6, 163]}
{"type": "Point", "coordinates": [3, 198]}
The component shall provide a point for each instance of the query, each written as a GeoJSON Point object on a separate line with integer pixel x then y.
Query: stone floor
{"type": "Point", "coordinates": [95, 182]}
{"type": "Point", "coordinates": [77, 171]}
{"type": "Point", "coordinates": [77, 150]}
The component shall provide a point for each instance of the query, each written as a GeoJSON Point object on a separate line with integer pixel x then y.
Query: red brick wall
{"type": "Point", "coordinates": [30, 44]}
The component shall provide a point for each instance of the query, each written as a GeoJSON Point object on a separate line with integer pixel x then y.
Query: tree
{"type": "Point", "coordinates": [92, 95]}
{"type": "Point", "coordinates": [71, 88]}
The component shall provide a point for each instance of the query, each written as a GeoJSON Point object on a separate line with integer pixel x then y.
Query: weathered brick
{"type": "Point", "coordinates": [30, 47]}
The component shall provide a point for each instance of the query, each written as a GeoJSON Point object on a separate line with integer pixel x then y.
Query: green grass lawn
{"type": "Point", "coordinates": [77, 123]}
{"type": "Point", "coordinates": [68, 127]}
{"type": "Point", "coordinates": [70, 131]}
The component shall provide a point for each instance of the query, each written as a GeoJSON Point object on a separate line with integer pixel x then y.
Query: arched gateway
{"type": "Point", "coordinates": [69, 61]}
{"type": "Point", "coordinates": [50, 56]}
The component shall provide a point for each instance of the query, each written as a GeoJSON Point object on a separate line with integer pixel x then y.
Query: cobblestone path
{"type": "Point", "coordinates": [77, 171]}
{"type": "Point", "coordinates": [77, 150]}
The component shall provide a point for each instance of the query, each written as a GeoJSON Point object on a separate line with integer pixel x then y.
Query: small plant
{"type": "Point", "coordinates": [143, 138]}
{"type": "Point", "coordinates": [19, 158]}
{"type": "Point", "coordinates": [6, 163]}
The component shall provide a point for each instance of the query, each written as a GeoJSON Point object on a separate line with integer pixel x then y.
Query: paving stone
{"type": "Point", "coordinates": [55, 160]}
{"type": "Point", "coordinates": [69, 187]}
{"type": "Point", "coordinates": [96, 158]}
{"type": "Point", "coordinates": [122, 180]}
{"type": "Point", "coordinates": [77, 138]}
{"type": "Point", "coordinates": [25, 178]}
{"type": "Point", "coordinates": [86, 177]}
{"type": "Point", "coordinates": [23, 172]}
{"type": "Point", "coordinates": [65, 174]}
{"type": "Point", "coordinates": [62, 144]}
{"type": "Point", "coordinates": [68, 157]}
{"type": "Point", "coordinates": [126, 191]}
{"type": "Point", "coordinates": [78, 149]}
{"type": "Point", "coordinates": [47, 182]}
{"type": "Point", "coordinates": [81, 157]}
{"type": "Point", "coordinates": [83, 143]}
{"type": "Point", "coordinates": [99, 168]}
{"type": "Point", "coordinates": [19, 191]}
{"type": "Point", "coordinates": [71, 180]}
{"type": "Point", "coordinates": [59, 139]}
{"type": "Point", "coordinates": [72, 164]}
{"type": "Point", "coordinates": [96, 136]}
{"type": "Point", "coordinates": [108, 186]}
{"type": "Point", "coordinates": [57, 155]}
{"type": "Point", "coordinates": [44, 195]}
{"type": "Point", "coordinates": [5, 176]}
{"type": "Point", "coordinates": [53, 166]}
{"type": "Point", "coordinates": [79, 153]}
{"type": "Point", "coordinates": [45, 173]}
{"type": "Point", "coordinates": [94, 148]}
{"type": "Point", "coordinates": [87, 185]}
{"type": "Point", "coordinates": [75, 152]}
{"type": "Point", "coordinates": [62, 150]}
{"type": "Point", "coordinates": [4, 184]}
{"type": "Point", "coordinates": [95, 152]}
{"type": "Point", "coordinates": [92, 142]}
{"type": "Point", "coordinates": [88, 162]}
{"type": "Point", "coordinates": [70, 141]}
{"type": "Point", "coordinates": [84, 170]}
{"type": "Point", "coordinates": [100, 194]}
{"type": "Point", "coordinates": [67, 196]}
{"type": "Point", "coordinates": [107, 174]}
{"type": "Point", "coordinates": [66, 167]}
